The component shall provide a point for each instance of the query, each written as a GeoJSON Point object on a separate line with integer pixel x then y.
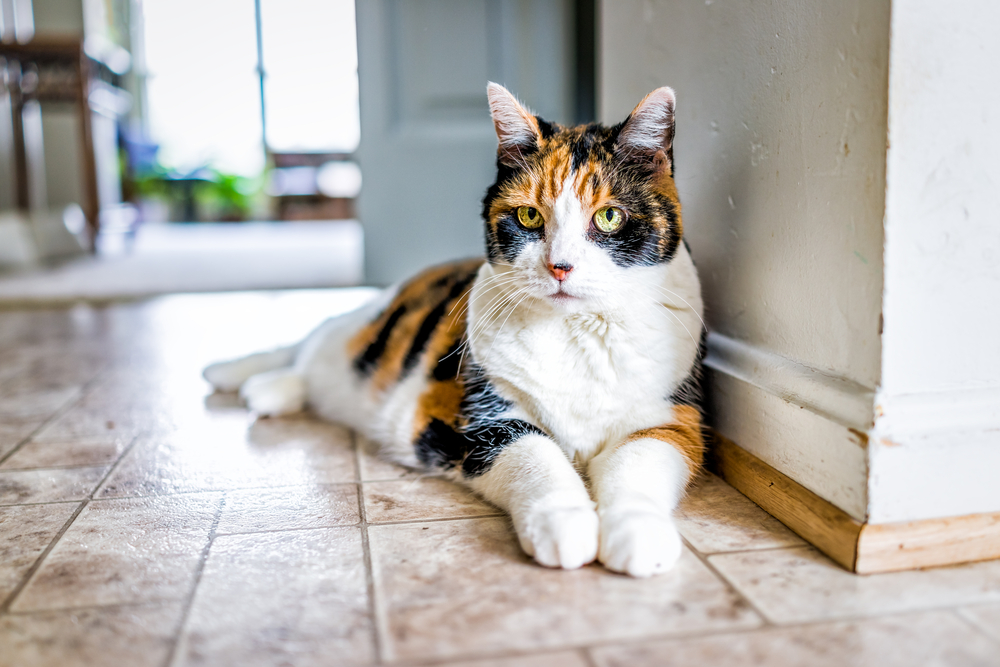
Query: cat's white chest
{"type": "Point", "coordinates": [589, 379]}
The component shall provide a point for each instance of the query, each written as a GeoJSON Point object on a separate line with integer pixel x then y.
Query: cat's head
{"type": "Point", "coordinates": [578, 215]}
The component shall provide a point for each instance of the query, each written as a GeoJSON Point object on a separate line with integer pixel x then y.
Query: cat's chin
{"type": "Point", "coordinates": [565, 300]}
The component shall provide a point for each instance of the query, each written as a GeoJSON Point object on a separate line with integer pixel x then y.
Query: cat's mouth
{"type": "Point", "coordinates": [559, 296]}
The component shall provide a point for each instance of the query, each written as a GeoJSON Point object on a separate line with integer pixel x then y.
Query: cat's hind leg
{"type": "Point", "coordinates": [230, 375]}
{"type": "Point", "coordinates": [274, 393]}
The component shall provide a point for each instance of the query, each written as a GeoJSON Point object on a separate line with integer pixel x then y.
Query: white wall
{"type": "Point", "coordinates": [937, 450]}
{"type": "Point", "coordinates": [781, 126]}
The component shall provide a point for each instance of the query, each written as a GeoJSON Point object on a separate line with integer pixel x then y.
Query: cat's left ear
{"type": "Point", "coordinates": [648, 131]}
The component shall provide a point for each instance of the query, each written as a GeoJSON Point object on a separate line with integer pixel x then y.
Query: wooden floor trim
{"type": "Point", "coordinates": [928, 543]}
{"type": "Point", "coordinates": [819, 522]}
{"type": "Point", "coordinates": [859, 547]}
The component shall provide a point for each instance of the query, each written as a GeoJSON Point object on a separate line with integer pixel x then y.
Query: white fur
{"type": "Point", "coordinates": [274, 393]}
{"type": "Point", "coordinates": [637, 486]}
{"type": "Point", "coordinates": [229, 375]}
{"type": "Point", "coordinates": [510, 117]}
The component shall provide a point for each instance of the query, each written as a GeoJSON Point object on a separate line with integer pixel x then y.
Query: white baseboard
{"type": "Point", "coordinates": [839, 399]}
{"type": "Point", "coordinates": [881, 459]}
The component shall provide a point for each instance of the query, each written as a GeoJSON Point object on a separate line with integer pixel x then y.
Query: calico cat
{"type": "Point", "coordinates": [559, 378]}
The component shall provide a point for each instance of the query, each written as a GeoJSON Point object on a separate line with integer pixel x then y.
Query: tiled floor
{"type": "Point", "coordinates": [144, 522]}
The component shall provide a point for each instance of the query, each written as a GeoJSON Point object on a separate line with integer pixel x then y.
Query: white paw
{"type": "Point", "coordinates": [560, 537]}
{"type": "Point", "coordinates": [638, 543]}
{"type": "Point", "coordinates": [274, 393]}
{"type": "Point", "coordinates": [224, 375]}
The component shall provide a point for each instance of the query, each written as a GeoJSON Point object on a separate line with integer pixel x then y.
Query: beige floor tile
{"type": "Point", "coordinates": [228, 452]}
{"type": "Point", "coordinates": [294, 507]}
{"type": "Point", "coordinates": [18, 487]}
{"type": "Point", "coordinates": [82, 421]}
{"type": "Point", "coordinates": [25, 401]}
{"type": "Point", "coordinates": [79, 452]}
{"type": "Point", "coordinates": [124, 551]}
{"type": "Point", "coordinates": [554, 659]}
{"type": "Point", "coordinates": [373, 468]}
{"type": "Point", "coordinates": [25, 531]}
{"type": "Point", "coordinates": [290, 598]}
{"type": "Point", "coordinates": [464, 588]}
{"type": "Point", "coordinates": [63, 363]}
{"type": "Point", "coordinates": [121, 636]}
{"type": "Point", "coordinates": [715, 517]}
{"type": "Point", "coordinates": [932, 639]}
{"type": "Point", "coordinates": [801, 585]}
{"type": "Point", "coordinates": [12, 432]}
{"type": "Point", "coordinates": [421, 498]}
{"type": "Point", "coordinates": [985, 617]}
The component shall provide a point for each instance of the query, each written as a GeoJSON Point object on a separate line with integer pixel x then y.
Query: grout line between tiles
{"type": "Point", "coordinates": [68, 467]}
{"type": "Point", "coordinates": [58, 412]}
{"type": "Point", "coordinates": [586, 649]}
{"type": "Point", "coordinates": [228, 489]}
{"type": "Point", "coordinates": [23, 583]}
{"type": "Point", "coordinates": [47, 502]}
{"type": "Point", "coordinates": [379, 629]}
{"type": "Point", "coordinates": [437, 520]}
{"type": "Point", "coordinates": [5, 607]}
{"type": "Point", "coordinates": [730, 585]}
{"type": "Point", "coordinates": [297, 529]}
{"type": "Point", "coordinates": [706, 554]}
{"type": "Point", "coordinates": [156, 602]}
{"type": "Point", "coordinates": [967, 620]}
{"type": "Point", "coordinates": [172, 655]}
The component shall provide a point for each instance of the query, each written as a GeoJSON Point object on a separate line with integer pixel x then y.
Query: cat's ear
{"type": "Point", "coordinates": [517, 128]}
{"type": "Point", "coordinates": [648, 131]}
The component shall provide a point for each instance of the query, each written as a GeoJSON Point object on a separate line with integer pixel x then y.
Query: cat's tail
{"type": "Point", "coordinates": [230, 375]}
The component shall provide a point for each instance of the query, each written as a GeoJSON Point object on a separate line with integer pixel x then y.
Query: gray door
{"type": "Point", "coordinates": [427, 144]}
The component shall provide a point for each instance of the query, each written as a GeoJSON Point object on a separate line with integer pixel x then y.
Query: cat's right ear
{"type": "Point", "coordinates": [517, 128]}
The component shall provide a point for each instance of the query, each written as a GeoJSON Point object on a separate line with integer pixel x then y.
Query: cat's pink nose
{"type": "Point", "coordinates": [560, 271]}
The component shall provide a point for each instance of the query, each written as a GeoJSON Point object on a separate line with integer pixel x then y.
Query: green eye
{"type": "Point", "coordinates": [609, 218]}
{"type": "Point", "coordinates": [529, 217]}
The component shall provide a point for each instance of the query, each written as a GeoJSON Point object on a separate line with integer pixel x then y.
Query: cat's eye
{"type": "Point", "coordinates": [609, 219]}
{"type": "Point", "coordinates": [529, 217]}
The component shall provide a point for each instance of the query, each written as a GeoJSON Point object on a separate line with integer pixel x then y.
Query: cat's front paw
{"type": "Point", "coordinates": [559, 537]}
{"type": "Point", "coordinates": [638, 543]}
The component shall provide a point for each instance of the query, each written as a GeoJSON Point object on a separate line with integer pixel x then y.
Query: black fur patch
{"type": "Point", "coordinates": [511, 237]}
{"type": "Point", "coordinates": [447, 366]}
{"type": "Point", "coordinates": [439, 446]}
{"type": "Point", "coordinates": [484, 435]}
{"type": "Point", "coordinates": [430, 323]}
{"type": "Point", "coordinates": [488, 442]}
{"type": "Point", "coordinates": [366, 362]}
{"type": "Point", "coordinates": [488, 433]}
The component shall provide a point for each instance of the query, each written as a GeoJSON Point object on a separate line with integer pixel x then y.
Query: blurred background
{"type": "Point", "coordinates": [153, 146]}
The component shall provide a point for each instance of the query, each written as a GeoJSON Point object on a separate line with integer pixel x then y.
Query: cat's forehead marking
{"type": "Point", "coordinates": [569, 207]}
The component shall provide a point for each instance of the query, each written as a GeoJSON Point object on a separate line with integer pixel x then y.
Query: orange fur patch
{"type": "Point", "coordinates": [419, 297]}
{"type": "Point", "coordinates": [684, 435]}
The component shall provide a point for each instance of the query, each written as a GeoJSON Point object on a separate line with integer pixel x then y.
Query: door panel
{"type": "Point", "coordinates": [427, 143]}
